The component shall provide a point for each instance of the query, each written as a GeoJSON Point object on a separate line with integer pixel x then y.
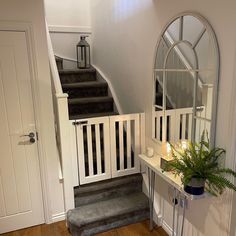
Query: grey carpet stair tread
{"type": "Point", "coordinates": [103, 210]}
{"type": "Point", "coordinates": [107, 189]}
{"type": "Point", "coordinates": [77, 71]}
{"type": "Point", "coordinates": [84, 84]}
{"type": "Point", "coordinates": [106, 184]}
{"type": "Point", "coordinates": [133, 218]}
{"type": "Point", "coordinates": [73, 101]}
{"type": "Point", "coordinates": [84, 116]}
{"type": "Point", "coordinates": [119, 191]}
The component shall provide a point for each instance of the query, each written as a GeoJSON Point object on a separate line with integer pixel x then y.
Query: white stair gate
{"type": "Point", "coordinates": [107, 147]}
{"type": "Point", "coordinates": [179, 124]}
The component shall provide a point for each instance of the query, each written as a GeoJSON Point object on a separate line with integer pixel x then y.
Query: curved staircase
{"type": "Point", "coordinates": [111, 203]}
{"type": "Point", "coordinates": [88, 96]}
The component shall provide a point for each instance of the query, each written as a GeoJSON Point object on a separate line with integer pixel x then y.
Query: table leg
{"type": "Point", "coordinates": [151, 188]}
{"type": "Point", "coordinates": [177, 224]}
{"type": "Point", "coordinates": [173, 219]}
{"type": "Point", "coordinates": [184, 208]}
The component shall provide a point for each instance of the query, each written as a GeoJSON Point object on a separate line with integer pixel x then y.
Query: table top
{"type": "Point", "coordinates": [154, 164]}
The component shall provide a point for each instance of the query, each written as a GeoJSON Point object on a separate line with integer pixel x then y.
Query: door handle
{"type": "Point", "coordinates": [31, 135]}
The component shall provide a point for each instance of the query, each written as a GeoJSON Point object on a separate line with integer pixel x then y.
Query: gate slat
{"type": "Point", "coordinates": [121, 144]}
{"type": "Point", "coordinates": [128, 144]}
{"type": "Point", "coordinates": [98, 148]}
{"type": "Point", "coordinates": [177, 127]}
{"type": "Point", "coordinates": [183, 126]}
{"type": "Point", "coordinates": [90, 149]}
{"type": "Point", "coordinates": [190, 117]}
{"type": "Point", "coordinates": [172, 127]}
{"type": "Point", "coordinates": [81, 153]}
{"type": "Point", "coordinates": [113, 146]}
{"type": "Point", "coordinates": [158, 125]}
{"type": "Point", "coordinates": [137, 141]}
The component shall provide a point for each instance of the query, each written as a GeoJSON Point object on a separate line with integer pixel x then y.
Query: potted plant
{"type": "Point", "coordinates": [199, 167]}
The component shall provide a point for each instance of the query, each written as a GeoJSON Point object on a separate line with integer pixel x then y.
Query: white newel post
{"type": "Point", "coordinates": [64, 132]}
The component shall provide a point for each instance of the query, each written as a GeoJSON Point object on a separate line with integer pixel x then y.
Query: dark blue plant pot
{"type": "Point", "coordinates": [195, 187]}
{"type": "Point", "coordinates": [194, 190]}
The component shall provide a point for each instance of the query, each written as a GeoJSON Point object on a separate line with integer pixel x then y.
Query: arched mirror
{"type": "Point", "coordinates": [186, 72]}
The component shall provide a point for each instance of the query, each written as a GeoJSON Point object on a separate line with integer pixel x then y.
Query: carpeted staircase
{"type": "Point", "coordinates": [108, 204]}
{"type": "Point", "coordinates": [88, 96]}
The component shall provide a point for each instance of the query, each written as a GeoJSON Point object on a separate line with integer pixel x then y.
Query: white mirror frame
{"type": "Point", "coordinates": [212, 35]}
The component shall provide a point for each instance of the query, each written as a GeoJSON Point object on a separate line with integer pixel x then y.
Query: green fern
{"type": "Point", "coordinates": [202, 162]}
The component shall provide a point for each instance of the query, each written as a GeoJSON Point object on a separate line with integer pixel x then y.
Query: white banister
{"type": "Point", "coordinates": [53, 65]}
{"type": "Point", "coordinates": [63, 129]}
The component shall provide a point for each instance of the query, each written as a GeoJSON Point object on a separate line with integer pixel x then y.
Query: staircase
{"type": "Point", "coordinates": [88, 96]}
{"type": "Point", "coordinates": [108, 204]}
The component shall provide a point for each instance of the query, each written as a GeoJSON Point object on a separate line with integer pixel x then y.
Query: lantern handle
{"type": "Point", "coordinates": [83, 37]}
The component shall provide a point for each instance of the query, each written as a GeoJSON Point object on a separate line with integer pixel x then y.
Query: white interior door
{"type": "Point", "coordinates": [20, 186]}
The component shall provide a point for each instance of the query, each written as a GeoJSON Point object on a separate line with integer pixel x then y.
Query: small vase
{"type": "Point", "coordinates": [195, 186]}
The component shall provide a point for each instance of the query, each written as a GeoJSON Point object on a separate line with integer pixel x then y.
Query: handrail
{"type": "Point", "coordinates": [53, 65]}
{"type": "Point", "coordinates": [57, 89]}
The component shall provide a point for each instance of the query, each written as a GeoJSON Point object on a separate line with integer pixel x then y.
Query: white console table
{"type": "Point", "coordinates": [153, 168]}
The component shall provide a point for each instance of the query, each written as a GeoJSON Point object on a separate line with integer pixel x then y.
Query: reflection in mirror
{"type": "Point", "coordinates": [185, 81]}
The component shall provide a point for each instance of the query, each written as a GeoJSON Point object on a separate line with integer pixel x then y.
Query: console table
{"type": "Point", "coordinates": [153, 169]}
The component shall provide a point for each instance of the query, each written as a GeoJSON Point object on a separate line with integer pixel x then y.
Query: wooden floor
{"type": "Point", "coordinates": [59, 229]}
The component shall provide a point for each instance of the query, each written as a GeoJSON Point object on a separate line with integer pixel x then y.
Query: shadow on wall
{"type": "Point", "coordinates": [202, 213]}
{"type": "Point", "coordinates": [123, 9]}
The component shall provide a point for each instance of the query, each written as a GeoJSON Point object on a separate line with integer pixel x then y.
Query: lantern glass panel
{"type": "Point", "coordinates": [83, 54]}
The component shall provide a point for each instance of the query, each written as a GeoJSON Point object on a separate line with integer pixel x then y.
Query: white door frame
{"type": "Point", "coordinates": [27, 28]}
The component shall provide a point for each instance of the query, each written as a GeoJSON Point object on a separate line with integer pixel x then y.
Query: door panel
{"type": "Point", "coordinates": [20, 186]}
{"type": "Point", "coordinates": [93, 149]}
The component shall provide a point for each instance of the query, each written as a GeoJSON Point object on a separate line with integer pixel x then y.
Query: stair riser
{"type": "Point", "coordinates": [78, 109]}
{"type": "Point", "coordinates": [81, 77]}
{"type": "Point", "coordinates": [87, 92]}
{"type": "Point", "coordinates": [108, 184]}
{"type": "Point", "coordinates": [84, 199]}
{"type": "Point", "coordinates": [98, 227]}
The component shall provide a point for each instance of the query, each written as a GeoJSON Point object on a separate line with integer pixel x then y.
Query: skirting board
{"type": "Point", "coordinates": [161, 223]}
{"type": "Point", "coordinates": [167, 228]}
{"type": "Point", "coordinates": [58, 217]}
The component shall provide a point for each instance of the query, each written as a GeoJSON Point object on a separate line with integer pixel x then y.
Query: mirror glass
{"type": "Point", "coordinates": [185, 81]}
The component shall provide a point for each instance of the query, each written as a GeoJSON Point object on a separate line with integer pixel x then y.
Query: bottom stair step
{"type": "Point", "coordinates": [101, 216]}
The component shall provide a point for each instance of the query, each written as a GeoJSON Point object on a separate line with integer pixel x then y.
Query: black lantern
{"type": "Point", "coordinates": [83, 53]}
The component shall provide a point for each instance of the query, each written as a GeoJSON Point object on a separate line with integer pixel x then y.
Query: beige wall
{"type": "Point", "coordinates": [32, 11]}
{"type": "Point", "coordinates": [68, 13]}
{"type": "Point", "coordinates": [124, 38]}
{"type": "Point", "coordinates": [70, 19]}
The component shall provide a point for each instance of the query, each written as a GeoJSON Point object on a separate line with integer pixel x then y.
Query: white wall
{"type": "Point", "coordinates": [32, 11]}
{"type": "Point", "coordinates": [124, 39]}
{"type": "Point", "coordinates": [67, 20]}
{"type": "Point", "coordinates": [74, 13]}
